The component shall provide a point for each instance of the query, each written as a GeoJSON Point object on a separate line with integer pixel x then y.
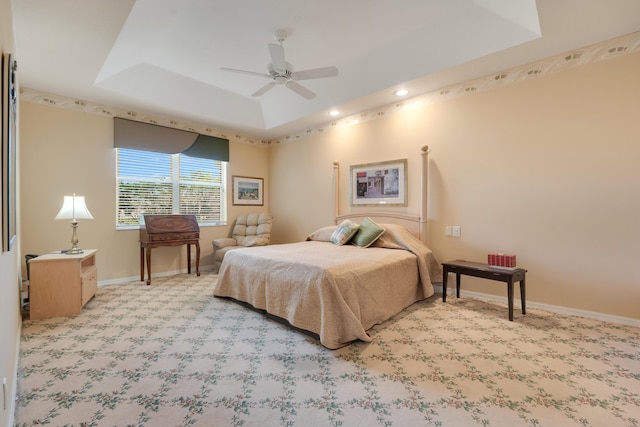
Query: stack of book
{"type": "Point", "coordinates": [502, 261]}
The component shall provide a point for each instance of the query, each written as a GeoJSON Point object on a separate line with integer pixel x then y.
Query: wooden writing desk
{"type": "Point", "coordinates": [168, 230]}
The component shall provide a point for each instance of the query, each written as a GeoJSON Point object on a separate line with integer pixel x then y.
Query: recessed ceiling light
{"type": "Point", "coordinates": [334, 113]}
{"type": "Point", "coordinates": [401, 92]}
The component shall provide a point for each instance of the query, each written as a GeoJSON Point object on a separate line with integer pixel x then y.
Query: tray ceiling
{"type": "Point", "coordinates": [164, 56]}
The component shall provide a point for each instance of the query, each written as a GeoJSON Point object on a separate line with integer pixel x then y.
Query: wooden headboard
{"type": "Point", "coordinates": [417, 224]}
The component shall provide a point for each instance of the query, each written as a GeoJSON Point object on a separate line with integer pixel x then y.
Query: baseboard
{"type": "Point", "coordinates": [14, 387]}
{"type": "Point", "coordinates": [548, 307]}
{"type": "Point", "coordinates": [137, 277]}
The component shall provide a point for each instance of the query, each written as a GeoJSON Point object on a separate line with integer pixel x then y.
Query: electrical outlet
{"type": "Point", "coordinates": [447, 230]}
{"type": "Point", "coordinates": [456, 231]}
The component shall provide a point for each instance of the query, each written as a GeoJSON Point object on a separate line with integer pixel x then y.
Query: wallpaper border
{"type": "Point", "coordinates": [601, 51]}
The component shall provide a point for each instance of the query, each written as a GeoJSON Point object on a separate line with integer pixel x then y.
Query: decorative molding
{"type": "Point", "coordinates": [601, 51]}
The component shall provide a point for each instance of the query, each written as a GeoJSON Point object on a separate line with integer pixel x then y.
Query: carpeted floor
{"type": "Point", "coordinates": [171, 354]}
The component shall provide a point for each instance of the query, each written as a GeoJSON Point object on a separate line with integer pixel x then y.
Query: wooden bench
{"type": "Point", "coordinates": [485, 271]}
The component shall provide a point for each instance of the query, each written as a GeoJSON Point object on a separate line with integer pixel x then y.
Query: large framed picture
{"type": "Point", "coordinates": [8, 157]}
{"type": "Point", "coordinates": [379, 184]}
{"type": "Point", "coordinates": [247, 191]}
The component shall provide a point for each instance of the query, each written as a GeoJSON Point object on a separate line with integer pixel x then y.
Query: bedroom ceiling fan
{"type": "Point", "coordinates": [282, 73]}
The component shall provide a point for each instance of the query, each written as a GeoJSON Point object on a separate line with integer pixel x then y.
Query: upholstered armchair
{"type": "Point", "coordinates": [249, 230]}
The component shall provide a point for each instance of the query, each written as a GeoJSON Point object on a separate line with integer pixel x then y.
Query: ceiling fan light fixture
{"type": "Point", "coordinates": [401, 92]}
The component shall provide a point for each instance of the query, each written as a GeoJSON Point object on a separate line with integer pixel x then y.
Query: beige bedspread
{"type": "Point", "coordinates": [337, 292]}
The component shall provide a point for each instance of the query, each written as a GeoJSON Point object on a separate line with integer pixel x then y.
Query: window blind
{"type": "Point", "coordinates": [160, 183]}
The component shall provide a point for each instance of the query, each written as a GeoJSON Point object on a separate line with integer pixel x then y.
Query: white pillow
{"type": "Point", "coordinates": [322, 234]}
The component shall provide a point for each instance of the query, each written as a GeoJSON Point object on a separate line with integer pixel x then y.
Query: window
{"type": "Point", "coordinates": [159, 183]}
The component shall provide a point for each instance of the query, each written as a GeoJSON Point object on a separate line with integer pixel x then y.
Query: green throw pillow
{"type": "Point", "coordinates": [344, 232]}
{"type": "Point", "coordinates": [368, 232]}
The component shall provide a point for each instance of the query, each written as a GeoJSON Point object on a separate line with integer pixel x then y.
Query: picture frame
{"type": "Point", "coordinates": [247, 191]}
{"type": "Point", "coordinates": [8, 161]}
{"type": "Point", "coordinates": [379, 184]}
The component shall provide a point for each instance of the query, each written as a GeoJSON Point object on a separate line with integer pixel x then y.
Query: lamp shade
{"type": "Point", "coordinates": [74, 208]}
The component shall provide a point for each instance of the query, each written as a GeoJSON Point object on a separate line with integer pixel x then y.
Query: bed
{"type": "Point", "coordinates": [336, 291]}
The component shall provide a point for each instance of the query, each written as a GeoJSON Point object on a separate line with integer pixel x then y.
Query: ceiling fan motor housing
{"type": "Point", "coordinates": [286, 74]}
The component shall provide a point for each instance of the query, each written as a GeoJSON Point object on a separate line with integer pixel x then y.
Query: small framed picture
{"type": "Point", "coordinates": [379, 184]}
{"type": "Point", "coordinates": [247, 191]}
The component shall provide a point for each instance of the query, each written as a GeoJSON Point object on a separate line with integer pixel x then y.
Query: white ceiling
{"type": "Point", "coordinates": [164, 56]}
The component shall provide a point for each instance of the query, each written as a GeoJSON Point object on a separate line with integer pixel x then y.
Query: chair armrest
{"type": "Point", "coordinates": [224, 242]}
{"type": "Point", "coordinates": [255, 241]}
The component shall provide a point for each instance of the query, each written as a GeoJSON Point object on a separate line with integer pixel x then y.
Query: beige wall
{"type": "Point", "coordinates": [67, 151]}
{"type": "Point", "coordinates": [9, 280]}
{"type": "Point", "coordinates": [545, 169]}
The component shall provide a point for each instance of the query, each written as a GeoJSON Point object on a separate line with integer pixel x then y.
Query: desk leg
{"type": "Point", "coordinates": [510, 298]}
{"type": "Point", "coordinates": [445, 276]}
{"type": "Point", "coordinates": [141, 263]}
{"type": "Point", "coordinates": [522, 296]}
{"type": "Point", "coordinates": [198, 259]}
{"type": "Point", "coordinates": [188, 258]}
{"type": "Point", "coordinates": [148, 266]}
{"type": "Point", "coordinates": [457, 285]}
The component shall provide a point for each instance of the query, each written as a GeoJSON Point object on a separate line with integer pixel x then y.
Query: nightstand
{"type": "Point", "coordinates": [61, 284]}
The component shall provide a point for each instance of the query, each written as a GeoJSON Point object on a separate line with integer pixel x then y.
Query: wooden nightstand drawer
{"type": "Point", "coordinates": [89, 284]}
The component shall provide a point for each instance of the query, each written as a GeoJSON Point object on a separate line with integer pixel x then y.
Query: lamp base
{"type": "Point", "coordinates": [74, 240]}
{"type": "Point", "coordinates": [73, 251]}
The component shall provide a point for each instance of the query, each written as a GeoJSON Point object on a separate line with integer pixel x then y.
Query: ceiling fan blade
{"type": "Point", "coordinates": [251, 73]}
{"type": "Point", "coordinates": [300, 90]}
{"type": "Point", "coordinates": [316, 73]}
{"type": "Point", "coordinates": [264, 89]}
{"type": "Point", "coordinates": [277, 58]}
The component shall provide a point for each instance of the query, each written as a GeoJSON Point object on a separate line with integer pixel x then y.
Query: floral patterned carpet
{"type": "Point", "coordinates": [171, 354]}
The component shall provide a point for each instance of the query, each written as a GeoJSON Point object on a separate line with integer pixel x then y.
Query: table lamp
{"type": "Point", "coordinates": [74, 209]}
